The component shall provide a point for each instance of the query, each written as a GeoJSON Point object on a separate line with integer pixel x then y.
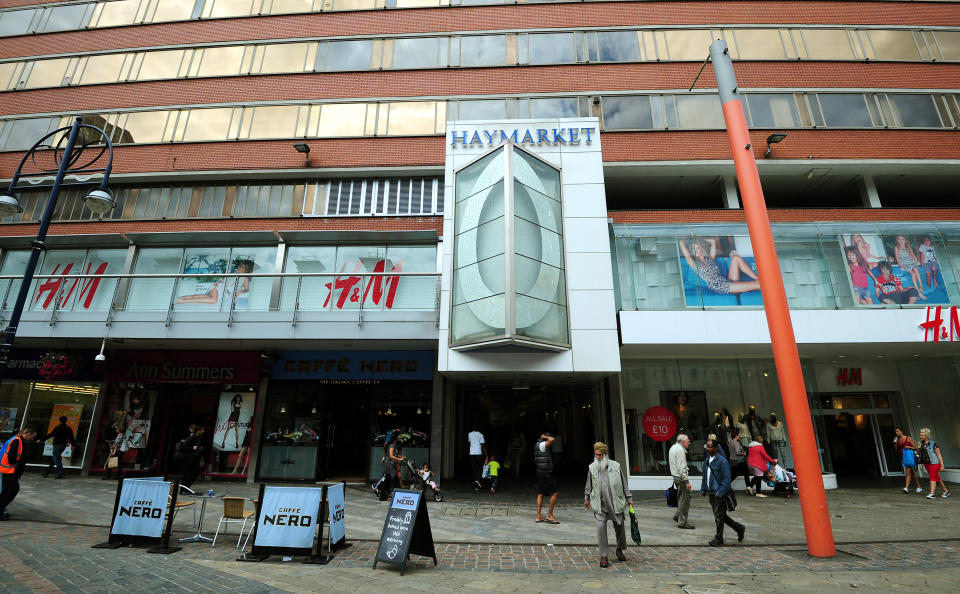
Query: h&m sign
{"type": "Point", "coordinates": [941, 325]}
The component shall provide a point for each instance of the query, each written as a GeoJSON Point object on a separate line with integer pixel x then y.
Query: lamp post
{"type": "Point", "coordinates": [67, 159]}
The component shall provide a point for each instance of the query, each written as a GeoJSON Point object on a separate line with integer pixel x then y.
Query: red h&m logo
{"type": "Point", "coordinates": [938, 328]}
{"type": "Point", "coordinates": [850, 376]}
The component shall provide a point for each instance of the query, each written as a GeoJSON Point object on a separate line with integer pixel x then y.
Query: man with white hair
{"type": "Point", "coordinates": [681, 479]}
{"type": "Point", "coordinates": [607, 495]}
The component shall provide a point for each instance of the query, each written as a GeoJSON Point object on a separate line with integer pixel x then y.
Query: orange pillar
{"type": "Point", "coordinates": [813, 498]}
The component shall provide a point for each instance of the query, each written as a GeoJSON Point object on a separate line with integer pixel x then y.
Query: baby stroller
{"type": "Point", "coordinates": [781, 479]}
{"type": "Point", "coordinates": [421, 484]}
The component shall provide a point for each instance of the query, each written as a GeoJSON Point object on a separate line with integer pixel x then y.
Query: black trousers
{"type": "Point", "coordinates": [190, 471]}
{"type": "Point", "coordinates": [719, 505]}
{"type": "Point", "coordinates": [740, 469]}
{"type": "Point", "coordinates": [476, 462]}
{"type": "Point", "coordinates": [11, 486]}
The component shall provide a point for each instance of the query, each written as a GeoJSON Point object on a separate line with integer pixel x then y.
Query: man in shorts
{"type": "Point", "coordinates": [546, 479]}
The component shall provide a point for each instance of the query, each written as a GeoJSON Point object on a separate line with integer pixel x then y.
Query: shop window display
{"type": "Point", "coordinates": [48, 402]}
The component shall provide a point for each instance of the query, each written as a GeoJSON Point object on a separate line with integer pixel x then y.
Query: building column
{"type": "Point", "coordinates": [868, 192]}
{"type": "Point", "coordinates": [729, 185]}
{"type": "Point", "coordinates": [258, 422]}
{"type": "Point", "coordinates": [436, 424]}
{"type": "Point", "coordinates": [618, 422]}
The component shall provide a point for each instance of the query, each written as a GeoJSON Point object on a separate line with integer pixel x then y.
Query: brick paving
{"type": "Point", "coordinates": [485, 543]}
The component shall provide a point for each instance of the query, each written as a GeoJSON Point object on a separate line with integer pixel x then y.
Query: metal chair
{"type": "Point", "coordinates": [233, 512]}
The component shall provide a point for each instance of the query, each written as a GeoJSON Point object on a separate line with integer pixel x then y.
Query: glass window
{"type": "Point", "coordinates": [13, 402]}
{"type": "Point", "coordinates": [228, 8]}
{"type": "Point", "coordinates": [417, 52]}
{"type": "Point", "coordinates": [64, 18]}
{"type": "Point", "coordinates": [20, 135]}
{"type": "Point", "coordinates": [250, 294]}
{"type": "Point", "coordinates": [483, 109]}
{"type": "Point", "coordinates": [845, 110]}
{"type": "Point", "coordinates": [559, 107]}
{"type": "Point", "coordinates": [826, 44]}
{"type": "Point", "coordinates": [309, 292]}
{"type": "Point", "coordinates": [355, 4]}
{"type": "Point", "coordinates": [412, 117]}
{"type": "Point", "coordinates": [759, 44]}
{"type": "Point", "coordinates": [349, 55]}
{"type": "Point", "coordinates": [285, 57]}
{"type": "Point", "coordinates": [773, 110]}
{"type": "Point", "coordinates": [95, 294]}
{"type": "Point", "coordinates": [160, 65]}
{"type": "Point", "coordinates": [6, 75]}
{"type": "Point", "coordinates": [618, 46]}
{"type": "Point", "coordinates": [894, 45]}
{"type": "Point", "coordinates": [915, 111]}
{"type": "Point", "coordinates": [115, 14]}
{"type": "Point", "coordinates": [48, 290]}
{"type": "Point", "coordinates": [699, 111]}
{"type": "Point", "coordinates": [208, 124]}
{"type": "Point", "coordinates": [144, 126]}
{"type": "Point", "coordinates": [686, 45]}
{"type": "Point", "coordinates": [47, 73]}
{"type": "Point", "coordinates": [16, 22]}
{"type": "Point", "coordinates": [14, 262]}
{"type": "Point", "coordinates": [345, 119]}
{"type": "Point", "coordinates": [483, 50]}
{"type": "Point", "coordinates": [626, 113]}
{"type": "Point", "coordinates": [172, 10]}
{"type": "Point", "coordinates": [219, 61]}
{"type": "Point", "coordinates": [48, 402]}
{"type": "Point", "coordinates": [103, 69]}
{"type": "Point", "coordinates": [551, 48]}
{"type": "Point", "coordinates": [949, 42]}
{"type": "Point", "coordinates": [206, 289]}
{"type": "Point", "coordinates": [277, 121]}
{"type": "Point", "coordinates": [290, 6]}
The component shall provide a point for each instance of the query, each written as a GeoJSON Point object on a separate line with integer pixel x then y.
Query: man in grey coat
{"type": "Point", "coordinates": [607, 495]}
{"type": "Point", "coordinates": [681, 479]}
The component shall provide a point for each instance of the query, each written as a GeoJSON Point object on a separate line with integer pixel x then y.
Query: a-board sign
{"type": "Point", "coordinates": [337, 527]}
{"type": "Point", "coordinates": [143, 514]}
{"type": "Point", "coordinates": [288, 519]}
{"type": "Point", "coordinates": [406, 530]}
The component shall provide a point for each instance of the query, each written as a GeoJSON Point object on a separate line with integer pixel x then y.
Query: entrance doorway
{"type": "Point", "coordinates": [855, 434]}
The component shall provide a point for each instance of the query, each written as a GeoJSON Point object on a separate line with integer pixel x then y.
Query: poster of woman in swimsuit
{"type": "Point", "coordinates": [718, 271]}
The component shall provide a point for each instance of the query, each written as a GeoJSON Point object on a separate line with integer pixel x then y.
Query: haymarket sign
{"type": "Point", "coordinates": [529, 136]}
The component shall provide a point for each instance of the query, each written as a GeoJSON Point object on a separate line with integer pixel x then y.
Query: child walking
{"type": "Point", "coordinates": [494, 473]}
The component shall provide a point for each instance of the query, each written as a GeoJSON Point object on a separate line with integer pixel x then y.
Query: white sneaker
{"type": "Point", "coordinates": [750, 490]}
{"type": "Point", "coordinates": [945, 495]}
{"type": "Point", "coordinates": [919, 490]}
{"type": "Point", "coordinates": [931, 496]}
{"type": "Point", "coordinates": [760, 495]}
{"type": "Point", "coordinates": [905, 490]}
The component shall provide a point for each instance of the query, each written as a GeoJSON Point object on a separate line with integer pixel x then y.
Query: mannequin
{"type": "Point", "coordinates": [744, 430]}
{"type": "Point", "coordinates": [777, 437]}
{"type": "Point", "coordinates": [716, 427]}
{"type": "Point", "coordinates": [754, 423]}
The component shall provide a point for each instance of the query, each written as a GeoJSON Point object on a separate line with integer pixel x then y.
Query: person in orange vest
{"type": "Point", "coordinates": [11, 467]}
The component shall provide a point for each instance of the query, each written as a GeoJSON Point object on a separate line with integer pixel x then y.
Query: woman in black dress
{"type": "Point", "coordinates": [233, 422]}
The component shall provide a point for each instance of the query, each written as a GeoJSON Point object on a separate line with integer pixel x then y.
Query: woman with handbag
{"type": "Point", "coordinates": [932, 460]}
{"type": "Point", "coordinates": [908, 458]}
{"type": "Point", "coordinates": [757, 459]}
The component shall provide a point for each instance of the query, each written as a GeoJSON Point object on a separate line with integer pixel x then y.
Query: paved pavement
{"type": "Point", "coordinates": [490, 542]}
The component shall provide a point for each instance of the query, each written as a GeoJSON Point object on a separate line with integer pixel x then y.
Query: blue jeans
{"type": "Point", "coordinates": [57, 460]}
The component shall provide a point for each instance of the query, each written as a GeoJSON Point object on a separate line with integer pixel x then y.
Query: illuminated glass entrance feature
{"type": "Point", "coordinates": [509, 285]}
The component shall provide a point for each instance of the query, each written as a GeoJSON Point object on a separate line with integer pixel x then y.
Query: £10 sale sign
{"type": "Point", "coordinates": [659, 423]}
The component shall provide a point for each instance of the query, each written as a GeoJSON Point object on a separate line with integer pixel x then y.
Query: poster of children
{"type": "Point", "coordinates": [893, 269]}
{"type": "Point", "coordinates": [233, 421]}
{"type": "Point", "coordinates": [72, 412]}
{"type": "Point", "coordinates": [8, 419]}
{"type": "Point", "coordinates": [210, 291]}
{"type": "Point", "coordinates": [718, 271]}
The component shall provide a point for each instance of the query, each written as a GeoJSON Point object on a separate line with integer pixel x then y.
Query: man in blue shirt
{"type": "Point", "coordinates": [716, 483]}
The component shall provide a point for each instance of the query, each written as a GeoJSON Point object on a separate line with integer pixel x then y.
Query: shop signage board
{"type": "Point", "coordinates": [289, 521]}
{"type": "Point", "coordinates": [211, 367]}
{"type": "Point", "coordinates": [406, 530]}
{"type": "Point", "coordinates": [337, 531]}
{"type": "Point", "coordinates": [140, 515]}
{"type": "Point", "coordinates": [942, 324]}
{"type": "Point", "coordinates": [25, 364]}
{"type": "Point", "coordinates": [659, 423]}
{"type": "Point", "coordinates": [353, 366]}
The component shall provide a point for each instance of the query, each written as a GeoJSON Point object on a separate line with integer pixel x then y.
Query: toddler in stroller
{"type": "Point", "coordinates": [781, 479]}
{"type": "Point", "coordinates": [424, 478]}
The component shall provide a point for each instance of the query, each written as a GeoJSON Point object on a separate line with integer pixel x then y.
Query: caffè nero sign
{"type": "Point", "coordinates": [523, 136]}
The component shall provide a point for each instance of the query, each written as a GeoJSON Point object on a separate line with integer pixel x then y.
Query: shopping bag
{"type": "Point", "coordinates": [909, 459]}
{"type": "Point", "coordinates": [113, 462]}
{"type": "Point", "coordinates": [634, 526]}
{"type": "Point", "coordinates": [486, 471]}
{"type": "Point", "coordinates": [672, 497]}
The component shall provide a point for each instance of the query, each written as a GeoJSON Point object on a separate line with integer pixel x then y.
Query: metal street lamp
{"type": "Point", "coordinates": [68, 158]}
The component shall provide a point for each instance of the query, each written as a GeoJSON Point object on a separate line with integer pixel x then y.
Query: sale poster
{"type": "Point", "coordinates": [72, 412]}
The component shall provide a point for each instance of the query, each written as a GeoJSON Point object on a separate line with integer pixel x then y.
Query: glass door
{"type": "Point", "coordinates": [884, 425]}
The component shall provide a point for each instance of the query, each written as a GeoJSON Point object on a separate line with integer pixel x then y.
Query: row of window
{"type": "Point", "coordinates": [663, 111]}
{"type": "Point", "coordinates": [482, 50]}
{"type": "Point", "coordinates": [347, 197]}
{"type": "Point", "coordinates": [116, 13]}
{"type": "Point", "coordinates": [215, 280]}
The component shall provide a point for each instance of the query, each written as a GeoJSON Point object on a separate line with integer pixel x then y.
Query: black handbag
{"type": "Point", "coordinates": [672, 497]}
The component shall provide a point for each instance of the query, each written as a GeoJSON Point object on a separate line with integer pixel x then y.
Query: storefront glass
{"type": "Point", "coordinates": [930, 387]}
{"type": "Point", "coordinates": [13, 402]}
{"type": "Point", "coordinates": [50, 401]}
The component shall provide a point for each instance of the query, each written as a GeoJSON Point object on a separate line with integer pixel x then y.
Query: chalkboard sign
{"type": "Point", "coordinates": [406, 530]}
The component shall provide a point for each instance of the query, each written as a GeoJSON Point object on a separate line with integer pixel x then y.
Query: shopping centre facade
{"type": "Point", "coordinates": [509, 217]}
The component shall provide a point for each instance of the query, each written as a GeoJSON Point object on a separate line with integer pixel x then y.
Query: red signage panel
{"type": "Point", "coordinates": [659, 423]}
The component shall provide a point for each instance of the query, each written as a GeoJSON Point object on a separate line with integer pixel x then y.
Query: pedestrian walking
{"type": "Point", "coordinates": [738, 458]}
{"type": "Point", "coordinates": [716, 484]}
{"type": "Point", "coordinates": [905, 444]}
{"type": "Point", "coordinates": [11, 467]}
{"type": "Point", "coordinates": [757, 458]}
{"type": "Point", "coordinates": [607, 495]}
{"type": "Point", "coordinates": [546, 479]}
{"type": "Point", "coordinates": [681, 479]}
{"type": "Point", "coordinates": [494, 467]}
{"type": "Point", "coordinates": [932, 460]}
{"type": "Point", "coordinates": [478, 453]}
{"type": "Point", "coordinates": [62, 436]}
